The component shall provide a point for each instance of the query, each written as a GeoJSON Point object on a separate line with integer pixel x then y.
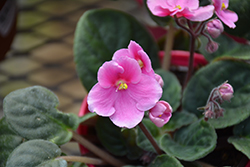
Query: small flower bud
{"type": "Point", "coordinates": [159, 79]}
{"type": "Point", "coordinates": [212, 47]}
{"type": "Point", "coordinates": [215, 28]}
{"type": "Point", "coordinates": [226, 91]}
{"type": "Point", "coordinates": [160, 113]}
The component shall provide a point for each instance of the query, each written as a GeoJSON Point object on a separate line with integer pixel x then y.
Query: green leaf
{"type": "Point", "coordinates": [165, 161]}
{"type": "Point", "coordinates": [36, 153]}
{"type": "Point", "coordinates": [31, 112]}
{"type": "Point", "coordinates": [242, 8]}
{"type": "Point", "coordinates": [171, 88]}
{"type": "Point", "coordinates": [96, 42]}
{"type": "Point", "coordinates": [211, 76]}
{"type": "Point", "coordinates": [242, 144]}
{"type": "Point", "coordinates": [115, 141]}
{"type": "Point", "coordinates": [179, 119]}
{"type": "Point", "coordinates": [190, 143]}
{"type": "Point", "coordinates": [8, 141]}
{"type": "Point", "coordinates": [228, 48]}
{"type": "Point", "coordinates": [142, 140]}
{"type": "Point", "coordinates": [241, 138]}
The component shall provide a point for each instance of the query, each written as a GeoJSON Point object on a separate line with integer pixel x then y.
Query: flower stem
{"type": "Point", "coordinates": [191, 59]}
{"type": "Point", "coordinates": [99, 152]}
{"type": "Point", "coordinates": [168, 47]}
{"type": "Point", "coordinates": [150, 138]}
{"type": "Point", "coordinates": [86, 160]}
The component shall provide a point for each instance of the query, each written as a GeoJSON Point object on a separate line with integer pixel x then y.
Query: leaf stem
{"type": "Point", "coordinates": [86, 160]}
{"type": "Point", "coordinates": [99, 152]}
{"type": "Point", "coordinates": [150, 138]}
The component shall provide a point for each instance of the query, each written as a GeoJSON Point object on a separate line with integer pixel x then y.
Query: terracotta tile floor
{"type": "Point", "coordinates": [42, 51]}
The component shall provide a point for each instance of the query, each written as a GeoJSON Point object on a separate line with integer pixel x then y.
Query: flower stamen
{"type": "Point", "coordinates": [178, 6]}
{"type": "Point", "coordinates": [223, 6]}
{"type": "Point", "coordinates": [140, 63]}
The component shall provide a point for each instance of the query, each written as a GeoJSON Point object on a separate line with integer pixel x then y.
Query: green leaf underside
{"type": "Point", "coordinates": [179, 119]}
{"type": "Point", "coordinates": [190, 143]}
{"type": "Point", "coordinates": [96, 42]}
{"type": "Point", "coordinates": [8, 141]}
{"type": "Point", "coordinates": [241, 138]}
{"type": "Point", "coordinates": [31, 112]}
{"type": "Point", "coordinates": [36, 153]}
{"type": "Point", "coordinates": [117, 142]}
{"type": "Point", "coordinates": [211, 76]}
{"type": "Point", "coordinates": [171, 88]}
{"type": "Point", "coordinates": [165, 161]}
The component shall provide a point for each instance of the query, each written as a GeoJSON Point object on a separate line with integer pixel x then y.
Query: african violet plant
{"type": "Point", "coordinates": [142, 111]}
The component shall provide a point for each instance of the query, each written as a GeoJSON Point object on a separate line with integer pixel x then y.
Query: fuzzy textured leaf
{"type": "Point", "coordinates": [179, 119]}
{"type": "Point", "coordinates": [96, 42]}
{"type": "Point", "coordinates": [36, 153]}
{"type": "Point", "coordinates": [190, 143]}
{"type": "Point", "coordinates": [165, 161]}
{"type": "Point", "coordinates": [241, 138]}
{"type": "Point", "coordinates": [8, 141]}
{"type": "Point", "coordinates": [211, 76]}
{"type": "Point", "coordinates": [31, 112]}
{"type": "Point", "coordinates": [171, 88]}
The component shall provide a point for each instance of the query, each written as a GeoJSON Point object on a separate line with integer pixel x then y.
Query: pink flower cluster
{"type": "Point", "coordinates": [190, 10]}
{"type": "Point", "coordinates": [126, 87]}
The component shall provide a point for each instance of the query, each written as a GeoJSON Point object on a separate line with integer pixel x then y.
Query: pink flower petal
{"type": "Point", "coordinates": [101, 100]}
{"type": "Point", "coordinates": [126, 115]}
{"type": "Point", "coordinates": [108, 74]}
{"type": "Point", "coordinates": [228, 17]}
{"type": "Point", "coordinates": [226, 3]}
{"type": "Point", "coordinates": [159, 7]}
{"type": "Point", "coordinates": [201, 14]}
{"type": "Point", "coordinates": [120, 53]}
{"type": "Point", "coordinates": [160, 113]}
{"type": "Point", "coordinates": [132, 70]}
{"type": "Point", "coordinates": [191, 4]}
{"type": "Point", "coordinates": [147, 92]}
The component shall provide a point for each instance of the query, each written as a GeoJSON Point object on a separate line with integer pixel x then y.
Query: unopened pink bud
{"type": "Point", "coordinates": [215, 28]}
{"type": "Point", "coordinates": [212, 47]}
{"type": "Point", "coordinates": [159, 79]}
{"type": "Point", "coordinates": [160, 113]}
{"type": "Point", "coordinates": [226, 91]}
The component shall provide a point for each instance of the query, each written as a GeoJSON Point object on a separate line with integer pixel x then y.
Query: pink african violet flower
{"type": "Point", "coordinates": [123, 92]}
{"type": "Point", "coordinates": [160, 113]}
{"type": "Point", "coordinates": [228, 17]}
{"type": "Point", "coordinates": [159, 79]}
{"type": "Point", "coordinates": [180, 8]}
{"type": "Point", "coordinates": [215, 28]}
{"type": "Point", "coordinates": [136, 52]}
{"type": "Point", "coordinates": [226, 91]}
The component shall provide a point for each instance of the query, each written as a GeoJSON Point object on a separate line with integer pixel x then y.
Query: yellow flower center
{"type": "Point", "coordinates": [140, 63]}
{"type": "Point", "coordinates": [123, 86]}
{"type": "Point", "coordinates": [178, 6]}
{"type": "Point", "coordinates": [160, 115]}
{"type": "Point", "coordinates": [223, 6]}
